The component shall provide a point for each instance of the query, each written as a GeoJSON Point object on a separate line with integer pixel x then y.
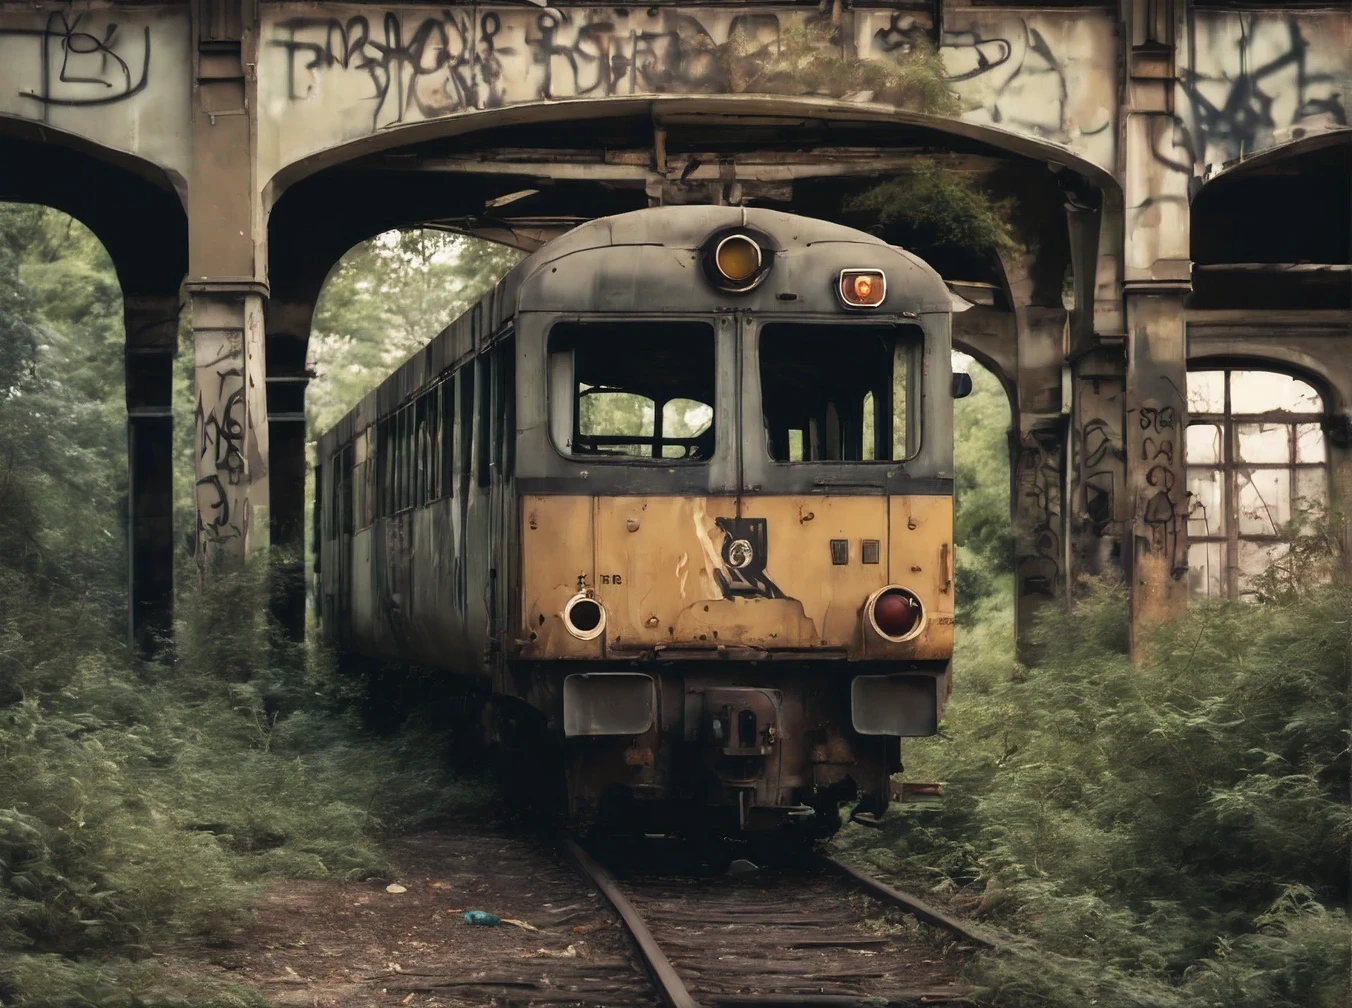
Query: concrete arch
{"type": "Point", "coordinates": [1341, 137]}
{"type": "Point", "coordinates": [134, 207]}
{"type": "Point", "coordinates": [310, 228]}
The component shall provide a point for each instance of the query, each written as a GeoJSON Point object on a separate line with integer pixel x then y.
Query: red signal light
{"type": "Point", "coordinates": [896, 613]}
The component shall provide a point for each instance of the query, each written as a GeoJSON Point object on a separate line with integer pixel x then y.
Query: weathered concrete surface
{"type": "Point", "coordinates": [118, 75]}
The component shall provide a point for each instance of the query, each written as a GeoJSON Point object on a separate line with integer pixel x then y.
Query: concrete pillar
{"type": "Point", "coordinates": [1099, 464]}
{"type": "Point", "coordinates": [1158, 171]}
{"type": "Point", "coordinates": [1039, 467]}
{"type": "Point", "coordinates": [152, 344]}
{"type": "Point", "coordinates": [232, 434]}
{"type": "Point", "coordinates": [1156, 416]}
{"type": "Point", "coordinates": [227, 280]}
{"type": "Point", "coordinates": [1340, 491]}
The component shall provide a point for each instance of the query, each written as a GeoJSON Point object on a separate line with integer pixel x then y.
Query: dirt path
{"type": "Point", "coordinates": [355, 944]}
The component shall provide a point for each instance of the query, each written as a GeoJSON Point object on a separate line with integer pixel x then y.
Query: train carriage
{"type": "Point", "coordinates": [678, 493]}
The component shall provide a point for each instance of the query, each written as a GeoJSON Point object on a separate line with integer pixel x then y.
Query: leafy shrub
{"type": "Point", "coordinates": [1174, 833]}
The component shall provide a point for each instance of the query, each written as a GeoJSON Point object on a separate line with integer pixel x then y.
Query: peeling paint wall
{"type": "Point", "coordinates": [120, 76]}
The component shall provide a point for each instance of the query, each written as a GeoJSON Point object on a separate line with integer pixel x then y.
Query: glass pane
{"type": "Point", "coordinates": [843, 386]}
{"type": "Point", "coordinates": [1310, 443]}
{"type": "Point", "coordinates": [1261, 391]}
{"type": "Point", "coordinates": [1262, 442]}
{"type": "Point", "coordinates": [1206, 516]}
{"type": "Point", "coordinates": [1204, 443]}
{"type": "Point", "coordinates": [1206, 391]}
{"type": "Point", "coordinates": [1264, 500]}
{"type": "Point", "coordinates": [1312, 491]}
{"type": "Point", "coordinates": [795, 446]}
{"type": "Point", "coordinates": [1254, 560]}
{"type": "Point", "coordinates": [1206, 569]}
{"type": "Point", "coordinates": [621, 371]}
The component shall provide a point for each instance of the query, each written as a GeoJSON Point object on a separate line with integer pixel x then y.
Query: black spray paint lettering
{"type": "Point", "coordinates": [74, 59]}
{"type": "Point", "coordinates": [454, 61]}
{"type": "Point", "coordinates": [448, 63]}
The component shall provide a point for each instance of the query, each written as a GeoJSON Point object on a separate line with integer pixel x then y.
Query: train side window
{"type": "Point", "coordinates": [422, 471]}
{"type": "Point", "coordinates": [484, 420]}
{"type": "Point", "coordinates": [635, 389]}
{"type": "Point", "coordinates": [447, 437]}
{"type": "Point", "coordinates": [466, 395]}
{"type": "Point", "coordinates": [833, 393]}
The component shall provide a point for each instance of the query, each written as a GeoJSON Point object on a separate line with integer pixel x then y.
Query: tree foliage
{"type": "Point", "coordinates": [140, 804]}
{"type": "Point", "coordinates": [383, 301]}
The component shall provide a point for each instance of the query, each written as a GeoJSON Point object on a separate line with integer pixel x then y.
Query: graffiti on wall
{"type": "Point", "coordinates": [81, 61]}
{"type": "Point", "coordinates": [419, 66]}
{"type": "Point", "coordinates": [1037, 530]}
{"type": "Point", "coordinates": [1262, 79]}
{"type": "Point", "coordinates": [1038, 74]}
{"type": "Point", "coordinates": [220, 426]}
{"type": "Point", "coordinates": [1101, 461]}
{"type": "Point", "coordinates": [1162, 501]}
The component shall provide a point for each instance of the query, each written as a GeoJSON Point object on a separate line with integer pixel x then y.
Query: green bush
{"type": "Point", "coordinates": [1170, 833]}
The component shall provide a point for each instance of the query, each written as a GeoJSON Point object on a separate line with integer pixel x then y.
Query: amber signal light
{"type": "Point", "coordinates": [737, 259]}
{"type": "Point", "coordinates": [862, 288]}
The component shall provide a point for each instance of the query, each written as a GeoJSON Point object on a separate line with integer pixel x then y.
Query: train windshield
{"type": "Point", "coordinates": [840, 393]}
{"type": "Point", "coordinates": [636, 389]}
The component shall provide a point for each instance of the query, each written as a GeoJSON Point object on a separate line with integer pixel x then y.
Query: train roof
{"type": "Point", "coordinates": [646, 261]}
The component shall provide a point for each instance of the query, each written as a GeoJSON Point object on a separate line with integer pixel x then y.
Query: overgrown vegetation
{"type": "Point", "coordinates": [1173, 835]}
{"type": "Point", "coordinates": [144, 805]}
{"type": "Point", "coordinates": [933, 207]}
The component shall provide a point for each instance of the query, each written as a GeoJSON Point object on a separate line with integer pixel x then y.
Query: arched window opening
{"type": "Point", "coordinates": [1257, 459]}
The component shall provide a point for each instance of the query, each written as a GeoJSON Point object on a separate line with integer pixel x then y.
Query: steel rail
{"type": "Point", "coordinates": [913, 905]}
{"type": "Point", "coordinates": [670, 987]}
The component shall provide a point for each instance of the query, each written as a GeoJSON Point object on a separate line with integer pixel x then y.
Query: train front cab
{"type": "Point", "coordinates": [736, 558]}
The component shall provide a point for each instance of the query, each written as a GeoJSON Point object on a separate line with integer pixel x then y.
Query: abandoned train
{"type": "Point", "coordinates": [678, 494]}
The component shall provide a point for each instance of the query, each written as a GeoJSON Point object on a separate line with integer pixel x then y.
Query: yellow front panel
{"type": "Point", "coordinates": [687, 572]}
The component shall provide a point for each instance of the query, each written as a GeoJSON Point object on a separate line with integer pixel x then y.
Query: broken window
{"type": "Point", "coordinates": [839, 392]}
{"type": "Point", "coordinates": [633, 389]}
{"type": "Point", "coordinates": [1256, 459]}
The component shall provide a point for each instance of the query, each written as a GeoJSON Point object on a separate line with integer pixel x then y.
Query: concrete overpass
{"type": "Point", "coordinates": [1186, 164]}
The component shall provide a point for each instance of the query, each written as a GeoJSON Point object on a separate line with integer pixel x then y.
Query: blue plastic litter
{"type": "Point", "coordinates": [482, 917]}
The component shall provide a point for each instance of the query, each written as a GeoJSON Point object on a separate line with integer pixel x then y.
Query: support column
{"type": "Point", "coordinates": [1340, 492]}
{"type": "Point", "coordinates": [288, 330]}
{"type": "Point", "coordinates": [232, 435]}
{"type": "Point", "coordinates": [1039, 468]}
{"type": "Point", "coordinates": [1158, 170]}
{"type": "Point", "coordinates": [227, 280]}
{"type": "Point", "coordinates": [1099, 464]}
{"type": "Point", "coordinates": [1157, 375]}
{"type": "Point", "coordinates": [152, 344]}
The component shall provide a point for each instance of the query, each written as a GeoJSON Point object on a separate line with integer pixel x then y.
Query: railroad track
{"type": "Point", "coordinates": [806, 937]}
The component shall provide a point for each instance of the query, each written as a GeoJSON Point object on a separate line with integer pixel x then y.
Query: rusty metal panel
{"type": "Point", "coordinates": [556, 563]}
{"type": "Point", "coordinates": [921, 558]}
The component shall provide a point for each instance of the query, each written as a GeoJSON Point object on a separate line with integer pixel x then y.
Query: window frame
{"type": "Point", "coordinates": [1230, 466]}
{"type": "Point", "coordinates": [915, 386]}
{"type": "Point", "coordinates": [711, 321]}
